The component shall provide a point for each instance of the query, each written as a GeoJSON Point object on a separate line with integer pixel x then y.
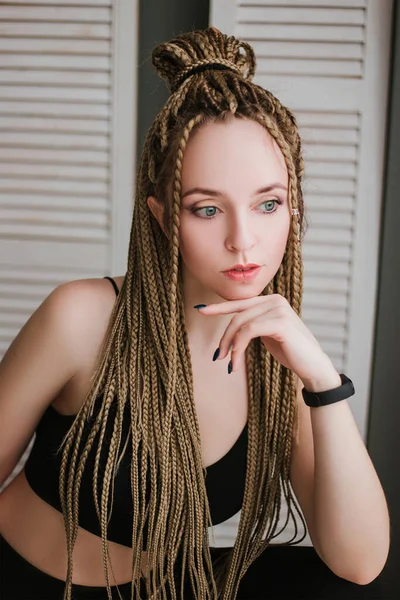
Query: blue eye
{"type": "Point", "coordinates": [272, 202]}
{"type": "Point", "coordinates": [207, 209]}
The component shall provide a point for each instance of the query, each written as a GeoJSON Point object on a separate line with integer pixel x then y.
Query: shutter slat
{"type": "Point", "coordinates": [72, 94]}
{"type": "Point", "coordinates": [326, 251]}
{"type": "Point", "coordinates": [53, 231]}
{"type": "Point", "coordinates": [330, 135]}
{"type": "Point", "coordinates": [300, 15]}
{"type": "Point", "coordinates": [56, 202]}
{"type": "Point", "coordinates": [325, 119]}
{"type": "Point", "coordinates": [55, 30]}
{"type": "Point", "coordinates": [8, 332]}
{"type": "Point", "coordinates": [326, 269]}
{"type": "Point", "coordinates": [27, 290]}
{"type": "Point", "coordinates": [332, 285]}
{"type": "Point", "coordinates": [330, 186]}
{"type": "Point", "coordinates": [18, 305]}
{"type": "Point", "coordinates": [324, 299]}
{"type": "Point", "coordinates": [317, 67]}
{"type": "Point", "coordinates": [54, 77]}
{"type": "Point", "coordinates": [55, 46]}
{"type": "Point", "coordinates": [58, 125]}
{"type": "Point", "coordinates": [332, 169]}
{"type": "Point", "coordinates": [79, 62]}
{"type": "Point", "coordinates": [77, 3]}
{"type": "Point", "coordinates": [69, 187]}
{"type": "Point", "coordinates": [329, 333]}
{"type": "Point", "coordinates": [44, 254]}
{"type": "Point", "coordinates": [324, 236]}
{"type": "Point", "coordinates": [317, 3]}
{"type": "Point", "coordinates": [55, 109]}
{"type": "Point", "coordinates": [318, 315]}
{"type": "Point", "coordinates": [25, 278]}
{"type": "Point", "coordinates": [53, 13]}
{"type": "Point", "coordinates": [314, 93]}
{"type": "Point", "coordinates": [300, 49]}
{"type": "Point", "coordinates": [333, 203]}
{"type": "Point", "coordinates": [47, 171]}
{"type": "Point", "coordinates": [61, 140]}
{"type": "Point", "coordinates": [55, 156]}
{"type": "Point", "coordinates": [331, 219]}
{"type": "Point", "coordinates": [12, 319]}
{"type": "Point", "coordinates": [307, 33]}
{"type": "Point", "coordinates": [330, 153]}
{"type": "Point", "coordinates": [57, 218]}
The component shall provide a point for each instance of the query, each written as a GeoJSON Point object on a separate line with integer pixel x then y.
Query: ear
{"type": "Point", "coordinates": [157, 209]}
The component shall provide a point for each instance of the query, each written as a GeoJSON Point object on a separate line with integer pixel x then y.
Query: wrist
{"type": "Point", "coordinates": [324, 383]}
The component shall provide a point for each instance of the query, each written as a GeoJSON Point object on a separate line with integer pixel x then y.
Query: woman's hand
{"type": "Point", "coordinates": [283, 334]}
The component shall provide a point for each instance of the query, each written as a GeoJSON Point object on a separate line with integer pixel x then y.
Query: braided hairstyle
{"type": "Point", "coordinates": [145, 367]}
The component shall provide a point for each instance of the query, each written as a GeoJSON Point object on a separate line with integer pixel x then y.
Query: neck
{"type": "Point", "coordinates": [204, 332]}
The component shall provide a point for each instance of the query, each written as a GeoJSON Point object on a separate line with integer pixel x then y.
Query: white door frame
{"type": "Point", "coordinates": [124, 128]}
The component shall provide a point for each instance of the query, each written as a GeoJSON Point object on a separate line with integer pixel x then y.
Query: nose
{"type": "Point", "coordinates": [241, 235]}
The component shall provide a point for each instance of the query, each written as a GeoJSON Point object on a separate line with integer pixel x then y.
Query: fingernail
{"type": "Point", "coordinates": [230, 367]}
{"type": "Point", "coordinates": [200, 306]}
{"type": "Point", "coordinates": [216, 354]}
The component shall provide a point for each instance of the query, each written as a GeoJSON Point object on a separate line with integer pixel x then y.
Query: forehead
{"type": "Point", "coordinates": [238, 152]}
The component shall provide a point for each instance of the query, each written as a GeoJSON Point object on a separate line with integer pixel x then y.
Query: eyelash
{"type": "Point", "coordinates": [271, 212]}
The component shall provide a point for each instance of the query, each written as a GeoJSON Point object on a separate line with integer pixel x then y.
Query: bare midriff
{"type": "Point", "coordinates": [36, 531]}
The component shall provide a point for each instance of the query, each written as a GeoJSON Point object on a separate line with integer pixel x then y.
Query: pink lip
{"type": "Point", "coordinates": [243, 275]}
{"type": "Point", "coordinates": [241, 267]}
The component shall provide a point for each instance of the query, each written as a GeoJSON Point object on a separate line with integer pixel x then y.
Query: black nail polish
{"type": "Point", "coordinates": [230, 367]}
{"type": "Point", "coordinates": [216, 354]}
{"type": "Point", "coordinates": [200, 306]}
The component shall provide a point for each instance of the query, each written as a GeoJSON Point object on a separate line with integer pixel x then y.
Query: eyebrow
{"type": "Point", "coordinates": [207, 192]}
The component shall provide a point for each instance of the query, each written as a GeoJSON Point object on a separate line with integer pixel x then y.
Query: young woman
{"type": "Point", "coordinates": [172, 407]}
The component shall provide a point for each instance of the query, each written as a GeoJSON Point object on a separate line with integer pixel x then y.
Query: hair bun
{"type": "Point", "coordinates": [174, 60]}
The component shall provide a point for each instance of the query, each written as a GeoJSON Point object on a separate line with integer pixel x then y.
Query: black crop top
{"type": "Point", "coordinates": [224, 479]}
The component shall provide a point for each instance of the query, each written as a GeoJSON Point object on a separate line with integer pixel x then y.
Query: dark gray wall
{"type": "Point", "coordinates": [384, 423]}
{"type": "Point", "coordinates": [160, 21]}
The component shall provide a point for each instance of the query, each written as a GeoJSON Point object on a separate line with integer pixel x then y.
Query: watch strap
{"type": "Point", "coordinates": [342, 392]}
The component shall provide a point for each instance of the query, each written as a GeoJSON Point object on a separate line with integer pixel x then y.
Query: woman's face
{"type": "Point", "coordinates": [234, 208]}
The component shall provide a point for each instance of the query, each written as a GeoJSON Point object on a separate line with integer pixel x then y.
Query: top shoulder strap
{"type": "Point", "coordinates": [113, 284]}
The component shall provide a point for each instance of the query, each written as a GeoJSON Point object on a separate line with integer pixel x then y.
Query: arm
{"type": "Point", "coordinates": [344, 503]}
{"type": "Point", "coordinates": [37, 365]}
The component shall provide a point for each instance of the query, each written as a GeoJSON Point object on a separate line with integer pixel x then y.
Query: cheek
{"type": "Point", "coordinates": [274, 233]}
{"type": "Point", "coordinates": [275, 243]}
{"type": "Point", "coordinates": [281, 237]}
{"type": "Point", "coordinates": [195, 243]}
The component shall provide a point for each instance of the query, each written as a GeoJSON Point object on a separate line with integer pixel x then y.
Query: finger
{"type": "Point", "coordinates": [232, 306]}
{"type": "Point", "coordinates": [255, 328]}
{"type": "Point", "coordinates": [241, 319]}
{"type": "Point", "coordinates": [238, 321]}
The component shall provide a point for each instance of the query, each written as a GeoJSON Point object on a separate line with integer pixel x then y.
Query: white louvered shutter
{"type": "Point", "coordinates": [67, 140]}
{"type": "Point", "coordinates": [67, 148]}
{"type": "Point", "coordinates": [328, 61]}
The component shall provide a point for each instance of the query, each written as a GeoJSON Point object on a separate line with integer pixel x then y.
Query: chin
{"type": "Point", "coordinates": [242, 293]}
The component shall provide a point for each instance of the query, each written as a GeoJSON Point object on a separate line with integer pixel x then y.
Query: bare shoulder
{"type": "Point", "coordinates": [98, 291]}
{"type": "Point", "coordinates": [89, 304]}
{"type": "Point", "coordinates": [82, 308]}
{"type": "Point", "coordinates": [54, 351]}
